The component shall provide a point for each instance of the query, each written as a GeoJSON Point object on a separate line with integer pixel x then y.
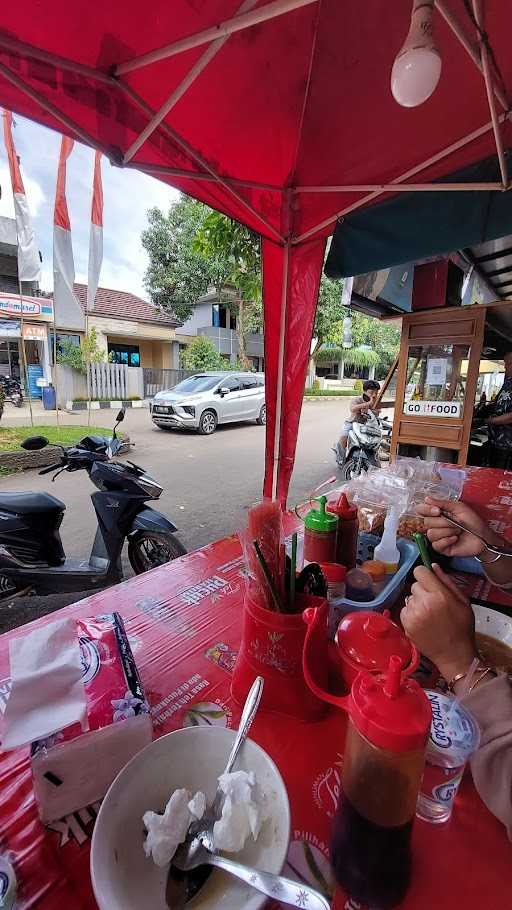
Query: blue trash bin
{"type": "Point", "coordinates": [49, 398]}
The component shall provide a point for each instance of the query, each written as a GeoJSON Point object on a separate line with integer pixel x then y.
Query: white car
{"type": "Point", "coordinates": [204, 400]}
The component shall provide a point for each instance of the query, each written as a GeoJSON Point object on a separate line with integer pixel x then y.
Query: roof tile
{"type": "Point", "coordinates": [123, 305]}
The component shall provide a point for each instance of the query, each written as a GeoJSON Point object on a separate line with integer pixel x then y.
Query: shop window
{"type": "Point", "coordinates": [62, 339]}
{"type": "Point", "coordinates": [437, 373]}
{"type": "Point", "coordinates": [128, 354]}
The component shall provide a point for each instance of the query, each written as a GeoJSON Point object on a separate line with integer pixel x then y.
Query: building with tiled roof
{"type": "Point", "coordinates": [131, 330]}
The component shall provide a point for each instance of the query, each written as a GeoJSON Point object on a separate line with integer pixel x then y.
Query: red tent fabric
{"type": "Point", "coordinates": [277, 112]}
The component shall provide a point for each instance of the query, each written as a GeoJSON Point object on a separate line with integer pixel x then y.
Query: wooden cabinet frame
{"type": "Point", "coordinates": [454, 325]}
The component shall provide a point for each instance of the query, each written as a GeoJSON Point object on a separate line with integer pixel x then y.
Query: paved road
{"type": "Point", "coordinates": [208, 482]}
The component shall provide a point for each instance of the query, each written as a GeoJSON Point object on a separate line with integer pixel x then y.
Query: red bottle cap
{"type": "Point", "coordinates": [390, 711]}
{"type": "Point", "coordinates": [370, 639]}
{"type": "Point", "coordinates": [333, 571]}
{"type": "Point", "coordinates": [342, 508]}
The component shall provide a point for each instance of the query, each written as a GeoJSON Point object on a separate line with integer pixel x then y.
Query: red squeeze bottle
{"type": "Point", "coordinates": [320, 528]}
{"type": "Point", "coordinates": [348, 531]}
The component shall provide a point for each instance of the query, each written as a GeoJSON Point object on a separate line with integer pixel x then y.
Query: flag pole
{"type": "Point", "coordinates": [24, 357]}
{"type": "Point", "coordinates": [55, 370]}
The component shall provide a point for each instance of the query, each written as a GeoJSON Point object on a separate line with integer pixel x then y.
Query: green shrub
{"type": "Point", "coordinates": [336, 393]}
{"type": "Point", "coordinates": [358, 385]}
{"type": "Point", "coordinates": [316, 385]}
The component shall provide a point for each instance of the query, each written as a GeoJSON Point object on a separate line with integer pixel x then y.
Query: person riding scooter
{"type": "Point", "coordinates": [358, 407]}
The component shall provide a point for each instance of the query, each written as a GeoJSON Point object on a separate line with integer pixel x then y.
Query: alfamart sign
{"type": "Point", "coordinates": [31, 307]}
{"type": "Point", "coordinates": [433, 408]}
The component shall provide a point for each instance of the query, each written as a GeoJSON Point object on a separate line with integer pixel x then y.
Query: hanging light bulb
{"type": "Point", "coordinates": [417, 65]}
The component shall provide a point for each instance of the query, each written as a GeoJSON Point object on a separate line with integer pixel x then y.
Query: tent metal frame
{"type": "Point", "coordinates": [216, 37]}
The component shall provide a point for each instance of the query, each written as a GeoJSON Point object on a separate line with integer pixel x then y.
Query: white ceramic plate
{"type": "Point", "coordinates": [490, 622]}
{"type": "Point", "coordinates": [122, 877]}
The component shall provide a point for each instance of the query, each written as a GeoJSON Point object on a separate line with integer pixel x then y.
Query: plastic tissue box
{"type": "Point", "coordinates": [72, 769]}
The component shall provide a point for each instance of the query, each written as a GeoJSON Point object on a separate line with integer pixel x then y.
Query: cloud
{"type": "Point", "coordinates": [128, 195]}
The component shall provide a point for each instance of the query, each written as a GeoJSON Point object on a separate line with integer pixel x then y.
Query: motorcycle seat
{"type": "Point", "coordinates": [30, 503]}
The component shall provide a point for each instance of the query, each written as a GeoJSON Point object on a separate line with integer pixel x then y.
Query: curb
{"type": "Point", "coordinates": [20, 460]}
{"type": "Point", "coordinates": [105, 405]}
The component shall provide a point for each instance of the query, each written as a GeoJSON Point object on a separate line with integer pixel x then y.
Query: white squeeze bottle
{"type": "Point", "coordinates": [387, 551]}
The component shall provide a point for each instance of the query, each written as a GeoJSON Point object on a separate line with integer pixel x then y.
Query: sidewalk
{"type": "Point", "coordinates": [20, 417]}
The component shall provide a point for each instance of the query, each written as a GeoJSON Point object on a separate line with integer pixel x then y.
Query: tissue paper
{"type": "Point", "coordinates": [166, 832]}
{"type": "Point", "coordinates": [243, 812]}
{"type": "Point", "coordinates": [72, 769]}
{"type": "Point", "coordinates": [47, 692]}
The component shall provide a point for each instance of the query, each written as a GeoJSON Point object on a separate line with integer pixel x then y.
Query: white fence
{"type": "Point", "coordinates": [108, 380]}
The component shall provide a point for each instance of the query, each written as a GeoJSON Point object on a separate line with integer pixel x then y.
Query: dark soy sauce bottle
{"type": "Point", "coordinates": [388, 727]}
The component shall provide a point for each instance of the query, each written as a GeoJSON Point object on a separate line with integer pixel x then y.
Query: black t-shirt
{"type": "Point", "coordinates": [501, 437]}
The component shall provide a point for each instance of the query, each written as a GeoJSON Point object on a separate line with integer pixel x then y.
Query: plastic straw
{"type": "Point", "coordinates": [268, 577]}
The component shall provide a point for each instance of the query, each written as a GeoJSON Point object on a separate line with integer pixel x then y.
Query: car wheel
{"type": "Point", "coordinates": [262, 419]}
{"type": "Point", "coordinates": [208, 423]}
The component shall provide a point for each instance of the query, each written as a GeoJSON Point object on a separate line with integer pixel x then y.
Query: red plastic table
{"type": "Point", "coordinates": [183, 621]}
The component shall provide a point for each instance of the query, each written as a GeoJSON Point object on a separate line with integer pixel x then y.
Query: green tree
{"type": "Point", "coordinates": [177, 274]}
{"type": "Point", "coordinates": [225, 241]}
{"type": "Point", "coordinates": [80, 356]}
{"type": "Point", "coordinates": [201, 355]}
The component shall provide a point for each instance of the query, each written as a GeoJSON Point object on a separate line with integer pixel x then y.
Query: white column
{"type": "Point", "coordinates": [44, 353]}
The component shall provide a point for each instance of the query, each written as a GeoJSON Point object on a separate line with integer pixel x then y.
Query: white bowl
{"type": "Point", "coordinates": [492, 623]}
{"type": "Point", "coordinates": [123, 878]}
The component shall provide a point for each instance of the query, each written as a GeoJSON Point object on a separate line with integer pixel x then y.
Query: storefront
{"type": "Point", "coordinates": [29, 320]}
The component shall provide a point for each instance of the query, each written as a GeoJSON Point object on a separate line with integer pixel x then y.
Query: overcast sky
{"type": "Point", "coordinates": [127, 197]}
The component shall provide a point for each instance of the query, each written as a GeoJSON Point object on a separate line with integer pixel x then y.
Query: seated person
{"type": "Point", "coordinates": [358, 406]}
{"type": "Point", "coordinates": [439, 620]}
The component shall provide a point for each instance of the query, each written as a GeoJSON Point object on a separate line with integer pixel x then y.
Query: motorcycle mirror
{"type": "Point", "coordinates": [121, 415]}
{"type": "Point", "coordinates": [33, 443]}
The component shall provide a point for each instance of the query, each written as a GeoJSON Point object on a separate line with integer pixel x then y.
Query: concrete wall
{"type": "Point", "coordinates": [201, 318]}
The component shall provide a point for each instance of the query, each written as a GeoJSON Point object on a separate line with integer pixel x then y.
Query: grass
{"type": "Point", "coordinates": [11, 437]}
{"type": "Point", "coordinates": [337, 393]}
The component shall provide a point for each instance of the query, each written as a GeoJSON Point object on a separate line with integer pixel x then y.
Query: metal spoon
{"type": "Point", "coordinates": [183, 886]}
{"type": "Point", "coordinates": [285, 890]}
{"type": "Point", "coordinates": [503, 551]}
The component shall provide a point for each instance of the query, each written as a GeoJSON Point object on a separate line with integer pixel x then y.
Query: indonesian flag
{"type": "Point", "coordinates": [96, 235]}
{"type": "Point", "coordinates": [67, 309]}
{"type": "Point", "coordinates": [29, 263]}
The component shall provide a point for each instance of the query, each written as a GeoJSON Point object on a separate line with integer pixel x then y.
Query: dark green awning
{"type": "Point", "coordinates": [414, 226]}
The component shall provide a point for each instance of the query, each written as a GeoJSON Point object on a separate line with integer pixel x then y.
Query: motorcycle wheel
{"type": "Point", "coordinates": [149, 549]}
{"type": "Point", "coordinates": [353, 468]}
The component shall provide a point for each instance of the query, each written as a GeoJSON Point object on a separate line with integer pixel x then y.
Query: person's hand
{"type": "Point", "coordinates": [445, 537]}
{"type": "Point", "coordinates": [440, 622]}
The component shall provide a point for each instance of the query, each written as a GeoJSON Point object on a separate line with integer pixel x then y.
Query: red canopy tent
{"type": "Point", "coordinates": [277, 113]}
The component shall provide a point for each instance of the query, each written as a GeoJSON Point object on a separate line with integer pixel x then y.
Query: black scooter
{"type": "Point", "coordinates": [31, 551]}
{"type": "Point", "coordinates": [12, 391]}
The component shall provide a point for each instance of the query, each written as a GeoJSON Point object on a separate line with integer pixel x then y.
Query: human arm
{"type": "Point", "coordinates": [449, 540]}
{"type": "Point", "coordinates": [358, 407]}
{"type": "Point", "coordinates": [439, 620]}
{"type": "Point", "coordinates": [500, 420]}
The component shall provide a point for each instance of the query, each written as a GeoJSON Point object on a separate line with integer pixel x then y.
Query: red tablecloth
{"type": "Point", "coordinates": [183, 621]}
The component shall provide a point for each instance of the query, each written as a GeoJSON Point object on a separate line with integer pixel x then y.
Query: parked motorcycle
{"type": "Point", "coordinates": [12, 391]}
{"type": "Point", "coordinates": [362, 450]}
{"type": "Point", "coordinates": [31, 551]}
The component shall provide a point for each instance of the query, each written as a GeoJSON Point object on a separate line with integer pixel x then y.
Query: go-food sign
{"type": "Point", "coordinates": [433, 408]}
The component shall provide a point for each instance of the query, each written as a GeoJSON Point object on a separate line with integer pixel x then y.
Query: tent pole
{"type": "Point", "coordinates": [468, 46]}
{"type": "Point", "coordinates": [236, 24]}
{"type": "Point", "coordinates": [198, 67]}
{"type": "Point", "coordinates": [54, 111]}
{"type": "Point", "coordinates": [477, 9]}
{"type": "Point", "coordinates": [403, 188]}
{"type": "Point", "coordinates": [280, 369]}
{"type": "Point", "coordinates": [454, 147]}
{"type": "Point", "coordinates": [28, 50]}
{"type": "Point", "coordinates": [149, 168]}
{"type": "Point", "coordinates": [202, 162]}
